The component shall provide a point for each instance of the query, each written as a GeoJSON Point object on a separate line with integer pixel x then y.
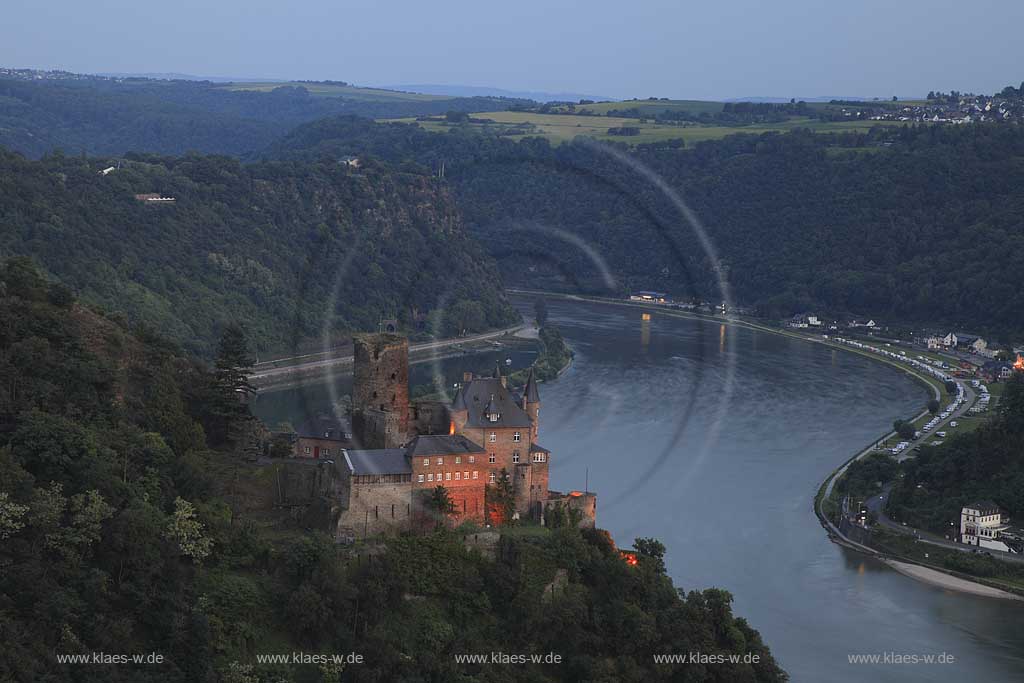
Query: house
{"type": "Point", "coordinates": [996, 371]}
{"type": "Point", "coordinates": [153, 198]}
{"type": "Point", "coordinates": [934, 343]}
{"type": "Point", "coordinates": [657, 297]}
{"type": "Point", "coordinates": [350, 161]}
{"type": "Point", "coordinates": [982, 524]}
{"type": "Point", "coordinates": [323, 436]}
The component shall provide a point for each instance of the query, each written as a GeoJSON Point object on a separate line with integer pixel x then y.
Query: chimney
{"type": "Point", "coordinates": [467, 376]}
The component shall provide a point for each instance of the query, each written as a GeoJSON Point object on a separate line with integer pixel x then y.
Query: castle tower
{"type": "Point", "coordinates": [531, 402]}
{"type": "Point", "coordinates": [380, 390]}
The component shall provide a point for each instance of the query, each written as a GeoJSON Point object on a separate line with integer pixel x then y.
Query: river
{"type": "Point", "coordinates": [714, 439]}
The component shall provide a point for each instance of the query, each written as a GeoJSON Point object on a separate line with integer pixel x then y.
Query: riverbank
{"type": "Point", "coordinates": [924, 570]}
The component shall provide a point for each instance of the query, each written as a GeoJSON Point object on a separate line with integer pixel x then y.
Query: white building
{"type": "Point", "coordinates": [982, 525]}
{"type": "Point", "coordinates": [934, 343]}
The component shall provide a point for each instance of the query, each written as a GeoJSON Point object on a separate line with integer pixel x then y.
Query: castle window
{"type": "Point", "coordinates": [476, 474]}
{"type": "Point", "coordinates": [430, 477]}
{"type": "Point", "coordinates": [492, 477]}
{"type": "Point", "coordinates": [517, 436]}
{"type": "Point", "coordinates": [515, 456]}
{"type": "Point", "coordinates": [493, 437]}
{"type": "Point", "coordinates": [465, 475]}
{"type": "Point", "coordinates": [472, 460]}
{"type": "Point", "coordinates": [458, 460]}
{"type": "Point", "coordinates": [540, 457]}
{"type": "Point", "coordinates": [306, 449]}
{"type": "Point", "coordinates": [325, 451]}
{"type": "Point", "coordinates": [421, 478]}
{"type": "Point", "coordinates": [457, 476]}
{"type": "Point", "coordinates": [491, 458]}
{"type": "Point", "coordinates": [440, 461]}
{"type": "Point", "coordinates": [448, 476]}
{"type": "Point", "coordinates": [426, 462]}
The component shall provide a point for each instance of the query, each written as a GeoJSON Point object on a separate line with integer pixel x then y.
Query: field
{"type": "Point", "coordinates": [560, 128]}
{"type": "Point", "coordinates": [653, 107]}
{"type": "Point", "coordinates": [346, 91]}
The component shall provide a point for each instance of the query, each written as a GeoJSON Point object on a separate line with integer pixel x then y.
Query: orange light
{"type": "Point", "coordinates": [1019, 365]}
{"type": "Point", "coordinates": [629, 557]}
{"type": "Point", "coordinates": [451, 427]}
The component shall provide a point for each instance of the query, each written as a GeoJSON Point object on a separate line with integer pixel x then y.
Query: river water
{"type": "Point", "coordinates": [714, 439]}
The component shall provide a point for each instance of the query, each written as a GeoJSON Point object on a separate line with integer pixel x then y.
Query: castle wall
{"type": "Point", "coordinates": [584, 502]}
{"type": "Point", "coordinates": [380, 504]}
{"type": "Point", "coordinates": [429, 417]}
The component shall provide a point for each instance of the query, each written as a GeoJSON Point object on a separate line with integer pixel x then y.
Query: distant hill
{"type": "Point", "coordinates": [299, 254]}
{"type": "Point", "coordinates": [44, 111]}
{"type": "Point", "coordinates": [920, 224]}
{"type": "Point", "coordinates": [482, 91]}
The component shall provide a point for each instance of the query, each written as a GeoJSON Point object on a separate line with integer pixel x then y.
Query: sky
{"type": "Point", "coordinates": [642, 48]}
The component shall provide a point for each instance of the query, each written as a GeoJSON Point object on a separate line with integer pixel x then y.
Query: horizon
{"type": "Point", "coordinates": [796, 49]}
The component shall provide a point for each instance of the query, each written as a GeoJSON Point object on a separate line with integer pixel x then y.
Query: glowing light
{"type": "Point", "coordinates": [629, 557]}
{"type": "Point", "coordinates": [451, 427]}
{"type": "Point", "coordinates": [1019, 365]}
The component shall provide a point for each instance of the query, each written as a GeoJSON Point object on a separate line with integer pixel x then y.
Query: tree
{"type": "Point", "coordinates": [500, 500]}
{"type": "Point", "coordinates": [187, 531]}
{"type": "Point", "coordinates": [540, 311]}
{"type": "Point", "coordinates": [231, 386]}
{"type": "Point", "coordinates": [933, 406]}
{"type": "Point", "coordinates": [904, 429]}
{"type": "Point", "coordinates": [440, 505]}
{"type": "Point", "coordinates": [653, 549]}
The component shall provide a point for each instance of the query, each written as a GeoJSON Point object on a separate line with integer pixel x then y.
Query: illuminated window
{"type": "Point", "coordinates": [476, 474]}
{"type": "Point", "coordinates": [430, 477]}
{"type": "Point", "coordinates": [458, 460]}
{"type": "Point", "coordinates": [426, 462]}
{"type": "Point", "coordinates": [448, 476]}
{"type": "Point", "coordinates": [421, 478]}
{"type": "Point", "coordinates": [493, 437]}
{"type": "Point", "coordinates": [517, 436]}
{"type": "Point", "coordinates": [472, 459]}
{"type": "Point", "coordinates": [440, 461]}
{"type": "Point", "coordinates": [457, 476]}
{"type": "Point", "coordinates": [465, 475]}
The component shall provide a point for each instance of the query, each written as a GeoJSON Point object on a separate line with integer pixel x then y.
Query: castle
{"type": "Point", "coordinates": [482, 448]}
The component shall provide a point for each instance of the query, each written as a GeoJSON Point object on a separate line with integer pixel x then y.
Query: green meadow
{"type": "Point", "coordinates": [559, 128]}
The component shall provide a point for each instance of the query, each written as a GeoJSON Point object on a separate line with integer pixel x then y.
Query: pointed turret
{"type": "Point", "coordinates": [531, 402]}
{"type": "Point", "coordinates": [530, 393]}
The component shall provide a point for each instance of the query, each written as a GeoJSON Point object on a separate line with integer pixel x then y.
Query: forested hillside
{"type": "Point", "coordinates": [114, 116]}
{"type": "Point", "coordinates": [921, 224]}
{"type": "Point", "coordinates": [297, 253]}
{"type": "Point", "coordinates": [124, 529]}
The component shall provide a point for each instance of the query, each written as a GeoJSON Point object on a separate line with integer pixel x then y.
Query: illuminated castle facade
{"type": "Point", "coordinates": [482, 448]}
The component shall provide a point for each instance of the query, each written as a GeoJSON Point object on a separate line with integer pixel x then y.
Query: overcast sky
{"type": "Point", "coordinates": [680, 48]}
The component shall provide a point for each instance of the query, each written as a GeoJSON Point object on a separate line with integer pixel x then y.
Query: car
{"type": "Point", "coordinates": [953, 423]}
{"type": "Point", "coordinates": [942, 434]}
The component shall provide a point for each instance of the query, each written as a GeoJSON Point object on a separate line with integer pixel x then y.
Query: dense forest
{"type": "Point", "coordinates": [114, 116]}
{"type": "Point", "coordinates": [986, 464]}
{"type": "Point", "coordinates": [924, 224]}
{"type": "Point", "coordinates": [300, 254]}
{"type": "Point", "coordinates": [123, 530]}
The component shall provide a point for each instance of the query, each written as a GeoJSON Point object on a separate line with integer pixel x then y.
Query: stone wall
{"type": "Point", "coordinates": [376, 508]}
{"type": "Point", "coordinates": [380, 383]}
